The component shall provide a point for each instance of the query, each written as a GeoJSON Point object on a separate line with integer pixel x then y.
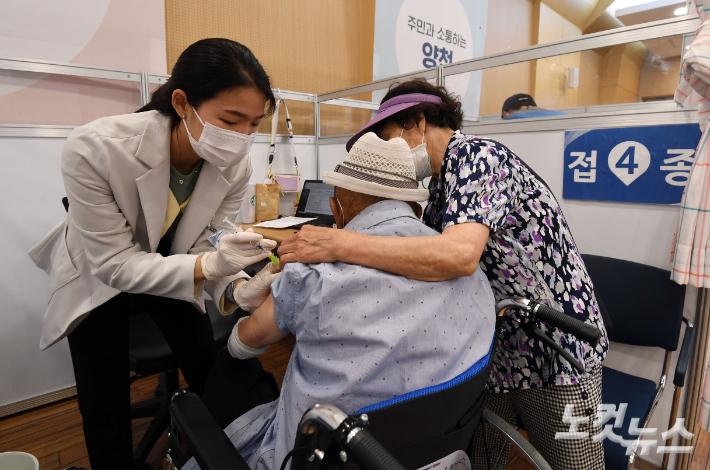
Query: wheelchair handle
{"type": "Point", "coordinates": [533, 310]}
{"type": "Point", "coordinates": [566, 323]}
{"type": "Point", "coordinates": [369, 453]}
{"type": "Point", "coordinates": [349, 434]}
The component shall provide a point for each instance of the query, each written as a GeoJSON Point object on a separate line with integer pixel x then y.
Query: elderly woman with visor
{"type": "Point", "coordinates": [496, 213]}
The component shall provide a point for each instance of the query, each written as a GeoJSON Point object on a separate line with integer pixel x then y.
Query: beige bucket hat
{"type": "Point", "coordinates": [383, 168]}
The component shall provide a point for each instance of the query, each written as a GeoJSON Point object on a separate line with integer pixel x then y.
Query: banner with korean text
{"type": "Point", "coordinates": [634, 164]}
{"type": "Point", "coordinates": [411, 35]}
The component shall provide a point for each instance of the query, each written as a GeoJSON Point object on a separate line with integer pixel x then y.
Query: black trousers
{"type": "Point", "coordinates": [235, 386]}
{"type": "Point", "coordinates": [99, 351]}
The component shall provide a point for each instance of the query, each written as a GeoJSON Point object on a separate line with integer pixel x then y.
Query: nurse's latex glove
{"type": "Point", "coordinates": [252, 293]}
{"type": "Point", "coordinates": [234, 254]}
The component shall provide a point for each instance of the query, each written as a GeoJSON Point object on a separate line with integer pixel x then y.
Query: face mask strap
{"type": "Point", "coordinates": [187, 130]}
{"type": "Point", "coordinates": [428, 164]}
{"type": "Point", "coordinates": [342, 212]}
{"type": "Point", "coordinates": [184, 121]}
{"type": "Point", "coordinates": [198, 116]}
{"type": "Point", "coordinates": [402, 133]}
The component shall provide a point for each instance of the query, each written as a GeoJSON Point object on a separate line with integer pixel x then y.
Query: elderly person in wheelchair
{"type": "Point", "coordinates": [363, 337]}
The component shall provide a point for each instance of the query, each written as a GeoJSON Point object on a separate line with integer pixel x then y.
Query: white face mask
{"type": "Point", "coordinates": [422, 162]}
{"type": "Point", "coordinates": [220, 147]}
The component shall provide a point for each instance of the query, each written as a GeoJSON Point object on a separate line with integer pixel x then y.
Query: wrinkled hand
{"type": "Point", "coordinates": [234, 254]}
{"type": "Point", "coordinates": [311, 245]}
{"type": "Point", "coordinates": [252, 293]}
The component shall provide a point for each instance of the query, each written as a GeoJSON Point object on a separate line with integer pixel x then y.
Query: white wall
{"type": "Point", "coordinates": [330, 155]}
{"type": "Point", "coordinates": [633, 232]}
{"type": "Point", "coordinates": [31, 189]}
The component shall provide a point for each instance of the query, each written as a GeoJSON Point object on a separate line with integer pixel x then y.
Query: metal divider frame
{"type": "Point", "coordinates": [59, 68]}
{"type": "Point", "coordinates": [144, 80]}
{"type": "Point", "coordinates": [681, 25]}
{"type": "Point", "coordinates": [316, 131]}
{"type": "Point", "coordinates": [632, 114]}
{"type": "Point", "coordinates": [612, 37]}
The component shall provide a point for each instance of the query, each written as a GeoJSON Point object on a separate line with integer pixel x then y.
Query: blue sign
{"type": "Point", "coordinates": [633, 164]}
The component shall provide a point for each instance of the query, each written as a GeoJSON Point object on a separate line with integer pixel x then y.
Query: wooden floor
{"type": "Point", "coordinates": [53, 433]}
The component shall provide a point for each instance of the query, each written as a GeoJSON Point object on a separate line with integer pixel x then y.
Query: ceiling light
{"type": "Point", "coordinates": [680, 11]}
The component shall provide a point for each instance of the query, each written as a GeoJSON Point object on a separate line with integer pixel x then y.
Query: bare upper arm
{"type": "Point", "coordinates": [260, 328]}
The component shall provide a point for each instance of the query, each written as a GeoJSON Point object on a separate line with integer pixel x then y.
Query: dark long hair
{"type": "Point", "coordinates": [447, 114]}
{"type": "Point", "coordinates": [207, 68]}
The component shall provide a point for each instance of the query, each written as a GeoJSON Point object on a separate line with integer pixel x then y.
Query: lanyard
{"type": "Point", "coordinates": [272, 146]}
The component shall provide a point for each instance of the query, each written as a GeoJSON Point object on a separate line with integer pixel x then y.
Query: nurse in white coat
{"type": "Point", "coordinates": [145, 191]}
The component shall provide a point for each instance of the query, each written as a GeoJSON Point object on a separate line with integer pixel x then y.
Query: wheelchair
{"type": "Point", "coordinates": [415, 430]}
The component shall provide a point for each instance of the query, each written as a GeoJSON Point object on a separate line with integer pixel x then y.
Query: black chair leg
{"type": "Point", "coordinates": [169, 384]}
{"type": "Point", "coordinates": [146, 408]}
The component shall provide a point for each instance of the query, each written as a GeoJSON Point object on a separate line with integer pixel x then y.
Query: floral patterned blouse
{"type": "Point", "coordinates": [530, 253]}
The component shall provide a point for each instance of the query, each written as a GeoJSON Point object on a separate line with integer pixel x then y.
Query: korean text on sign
{"type": "Point", "coordinates": [636, 164]}
{"type": "Point", "coordinates": [434, 53]}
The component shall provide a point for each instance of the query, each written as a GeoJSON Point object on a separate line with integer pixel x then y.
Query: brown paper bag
{"type": "Point", "coordinates": [267, 202]}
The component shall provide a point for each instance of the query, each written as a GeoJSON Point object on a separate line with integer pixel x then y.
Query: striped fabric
{"type": "Point", "coordinates": [374, 179]}
{"type": "Point", "coordinates": [689, 254]}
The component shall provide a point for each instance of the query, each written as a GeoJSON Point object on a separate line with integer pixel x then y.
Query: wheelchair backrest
{"type": "Point", "coordinates": [419, 427]}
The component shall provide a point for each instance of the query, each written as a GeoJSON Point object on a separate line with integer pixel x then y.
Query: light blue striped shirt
{"type": "Point", "coordinates": [364, 336]}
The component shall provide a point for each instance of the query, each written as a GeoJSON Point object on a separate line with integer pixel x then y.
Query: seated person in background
{"type": "Point", "coordinates": [523, 106]}
{"type": "Point", "coordinates": [362, 335]}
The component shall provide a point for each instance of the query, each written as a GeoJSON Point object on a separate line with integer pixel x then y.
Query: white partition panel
{"type": "Point", "coordinates": [330, 154]}
{"type": "Point", "coordinates": [635, 232]}
{"type": "Point", "coordinates": [31, 189]}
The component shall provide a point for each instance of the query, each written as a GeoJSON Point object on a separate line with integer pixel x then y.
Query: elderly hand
{"type": "Point", "coordinates": [252, 293]}
{"type": "Point", "coordinates": [234, 254]}
{"type": "Point", "coordinates": [312, 245]}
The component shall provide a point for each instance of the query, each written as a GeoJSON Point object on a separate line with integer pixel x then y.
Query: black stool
{"type": "Point", "coordinates": [149, 354]}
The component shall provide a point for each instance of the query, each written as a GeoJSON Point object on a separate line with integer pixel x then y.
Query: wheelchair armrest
{"type": "Point", "coordinates": [684, 357]}
{"type": "Point", "coordinates": [212, 448]}
{"type": "Point", "coordinates": [519, 442]}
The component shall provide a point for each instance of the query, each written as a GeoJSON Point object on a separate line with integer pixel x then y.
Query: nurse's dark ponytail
{"type": "Point", "coordinates": [207, 68]}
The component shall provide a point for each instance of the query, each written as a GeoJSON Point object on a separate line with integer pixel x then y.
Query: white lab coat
{"type": "Point", "coordinates": [116, 173]}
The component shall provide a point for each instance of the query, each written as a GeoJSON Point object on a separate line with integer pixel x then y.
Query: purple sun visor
{"type": "Point", "coordinates": [393, 106]}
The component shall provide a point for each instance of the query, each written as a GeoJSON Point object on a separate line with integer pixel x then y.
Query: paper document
{"type": "Point", "coordinates": [284, 222]}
